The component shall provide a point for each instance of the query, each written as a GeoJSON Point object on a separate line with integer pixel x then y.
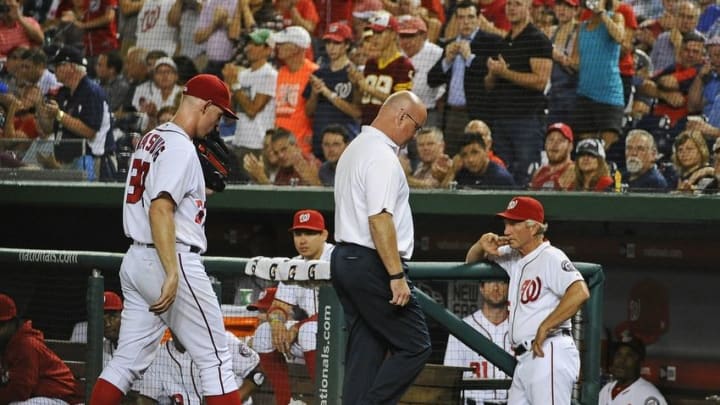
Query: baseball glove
{"type": "Point", "coordinates": [215, 160]}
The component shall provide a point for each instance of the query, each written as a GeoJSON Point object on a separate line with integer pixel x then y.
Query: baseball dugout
{"type": "Point", "coordinates": [330, 336]}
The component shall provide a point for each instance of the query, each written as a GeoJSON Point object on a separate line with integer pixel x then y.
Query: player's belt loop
{"type": "Point", "coordinates": [178, 246]}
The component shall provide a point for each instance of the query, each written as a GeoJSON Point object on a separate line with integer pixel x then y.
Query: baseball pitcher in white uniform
{"type": "Point", "coordinates": [491, 320]}
{"type": "Point", "coordinates": [162, 276]}
{"type": "Point", "coordinates": [627, 387]}
{"type": "Point", "coordinates": [545, 292]}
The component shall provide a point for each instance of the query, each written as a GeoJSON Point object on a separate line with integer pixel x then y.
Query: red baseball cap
{"type": "Point", "coordinates": [112, 302]}
{"type": "Point", "coordinates": [308, 219]}
{"type": "Point", "coordinates": [8, 310]}
{"type": "Point", "coordinates": [382, 21]}
{"type": "Point", "coordinates": [339, 32]}
{"type": "Point", "coordinates": [573, 3]}
{"type": "Point", "coordinates": [523, 208]}
{"type": "Point", "coordinates": [564, 129]}
{"type": "Point", "coordinates": [210, 88]}
{"type": "Point", "coordinates": [264, 300]}
{"type": "Point", "coordinates": [411, 25]}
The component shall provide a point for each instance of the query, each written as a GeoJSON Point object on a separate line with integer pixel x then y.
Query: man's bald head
{"type": "Point", "coordinates": [401, 116]}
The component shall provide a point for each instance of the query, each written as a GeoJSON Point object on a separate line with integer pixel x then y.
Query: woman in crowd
{"type": "Point", "coordinates": [691, 159]}
{"type": "Point", "coordinates": [591, 169]}
{"type": "Point", "coordinates": [600, 89]}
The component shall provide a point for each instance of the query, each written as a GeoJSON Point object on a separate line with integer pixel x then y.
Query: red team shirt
{"type": "Point", "coordinates": [393, 76]}
{"type": "Point", "coordinates": [31, 368]}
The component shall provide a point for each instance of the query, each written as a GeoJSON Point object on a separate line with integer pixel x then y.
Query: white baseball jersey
{"type": "Point", "coordinates": [538, 281]}
{"type": "Point", "coordinates": [153, 31]}
{"type": "Point", "coordinates": [79, 335]}
{"type": "Point", "coordinates": [640, 392]}
{"type": "Point", "coordinates": [173, 372]}
{"type": "Point", "coordinates": [166, 161]}
{"type": "Point", "coordinates": [304, 297]}
{"type": "Point", "coordinates": [250, 131]}
{"type": "Point", "coordinates": [457, 354]}
{"type": "Point", "coordinates": [148, 92]}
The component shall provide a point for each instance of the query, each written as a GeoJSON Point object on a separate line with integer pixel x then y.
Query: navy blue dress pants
{"type": "Point", "coordinates": [387, 345]}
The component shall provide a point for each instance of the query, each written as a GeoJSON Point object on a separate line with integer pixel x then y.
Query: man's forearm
{"type": "Point", "coordinates": [162, 228]}
{"type": "Point", "coordinates": [384, 236]}
{"type": "Point", "coordinates": [570, 303]}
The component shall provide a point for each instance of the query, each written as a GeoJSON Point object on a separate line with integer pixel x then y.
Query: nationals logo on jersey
{"type": "Point", "coordinates": [530, 290]}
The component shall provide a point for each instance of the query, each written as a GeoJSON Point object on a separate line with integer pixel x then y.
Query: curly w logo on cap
{"type": "Point", "coordinates": [524, 208]}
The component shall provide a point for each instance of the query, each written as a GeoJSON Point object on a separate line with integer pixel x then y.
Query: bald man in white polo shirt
{"type": "Point", "coordinates": [388, 341]}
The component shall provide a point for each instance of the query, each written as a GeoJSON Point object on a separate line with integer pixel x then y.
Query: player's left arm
{"type": "Point", "coordinates": [278, 314]}
{"type": "Point", "coordinates": [162, 227]}
{"type": "Point", "coordinates": [575, 295]}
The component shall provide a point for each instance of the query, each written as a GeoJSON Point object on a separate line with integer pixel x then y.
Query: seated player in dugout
{"type": "Point", "coordinates": [112, 307]}
{"type": "Point", "coordinates": [282, 338]}
{"type": "Point", "coordinates": [174, 378]}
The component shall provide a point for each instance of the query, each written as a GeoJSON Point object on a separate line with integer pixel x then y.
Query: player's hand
{"type": "Point", "coordinates": [490, 243]}
{"type": "Point", "coordinates": [280, 337]}
{"type": "Point", "coordinates": [167, 294]}
{"type": "Point", "coordinates": [400, 291]}
{"type": "Point", "coordinates": [540, 337]}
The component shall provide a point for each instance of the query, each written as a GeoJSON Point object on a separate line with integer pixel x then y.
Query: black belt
{"type": "Point", "coordinates": [190, 248]}
{"type": "Point", "coordinates": [521, 349]}
{"type": "Point", "coordinates": [458, 108]}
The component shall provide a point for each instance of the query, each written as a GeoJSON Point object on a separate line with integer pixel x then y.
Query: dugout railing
{"type": "Point", "coordinates": [331, 330]}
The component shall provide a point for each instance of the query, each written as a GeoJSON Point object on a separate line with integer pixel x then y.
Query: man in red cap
{"type": "Point", "coordinates": [112, 306]}
{"type": "Point", "coordinates": [29, 370]}
{"type": "Point", "coordinates": [388, 73]}
{"type": "Point", "coordinates": [162, 274]}
{"type": "Point", "coordinates": [283, 337]}
{"type": "Point", "coordinates": [545, 292]}
{"type": "Point", "coordinates": [559, 171]}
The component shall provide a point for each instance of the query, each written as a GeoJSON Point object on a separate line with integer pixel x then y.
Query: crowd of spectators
{"type": "Point", "coordinates": [520, 93]}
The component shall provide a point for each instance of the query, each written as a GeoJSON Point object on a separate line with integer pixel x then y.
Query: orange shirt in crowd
{"type": "Point", "coordinates": [290, 103]}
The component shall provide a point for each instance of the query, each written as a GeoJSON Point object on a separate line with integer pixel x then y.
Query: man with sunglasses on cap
{"type": "Point", "coordinates": [545, 292]}
{"type": "Point", "coordinates": [79, 112]}
{"type": "Point", "coordinates": [162, 274]}
{"type": "Point", "coordinates": [283, 337]}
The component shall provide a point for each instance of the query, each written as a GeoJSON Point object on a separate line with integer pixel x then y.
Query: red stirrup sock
{"type": "Point", "coordinates": [105, 393]}
{"type": "Point", "coordinates": [231, 398]}
{"type": "Point", "coordinates": [310, 363]}
{"type": "Point", "coordinates": [276, 370]}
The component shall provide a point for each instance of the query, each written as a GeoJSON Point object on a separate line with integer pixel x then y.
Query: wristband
{"type": "Point", "coordinates": [397, 276]}
{"type": "Point", "coordinates": [60, 115]}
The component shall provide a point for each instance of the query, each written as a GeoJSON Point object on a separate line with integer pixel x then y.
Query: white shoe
{"type": "Point", "coordinates": [294, 401]}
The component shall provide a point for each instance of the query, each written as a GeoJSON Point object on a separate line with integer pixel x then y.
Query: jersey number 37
{"type": "Point", "coordinates": [136, 184]}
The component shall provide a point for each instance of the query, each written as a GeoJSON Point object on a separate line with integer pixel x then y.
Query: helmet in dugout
{"type": "Point", "coordinates": [215, 160]}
